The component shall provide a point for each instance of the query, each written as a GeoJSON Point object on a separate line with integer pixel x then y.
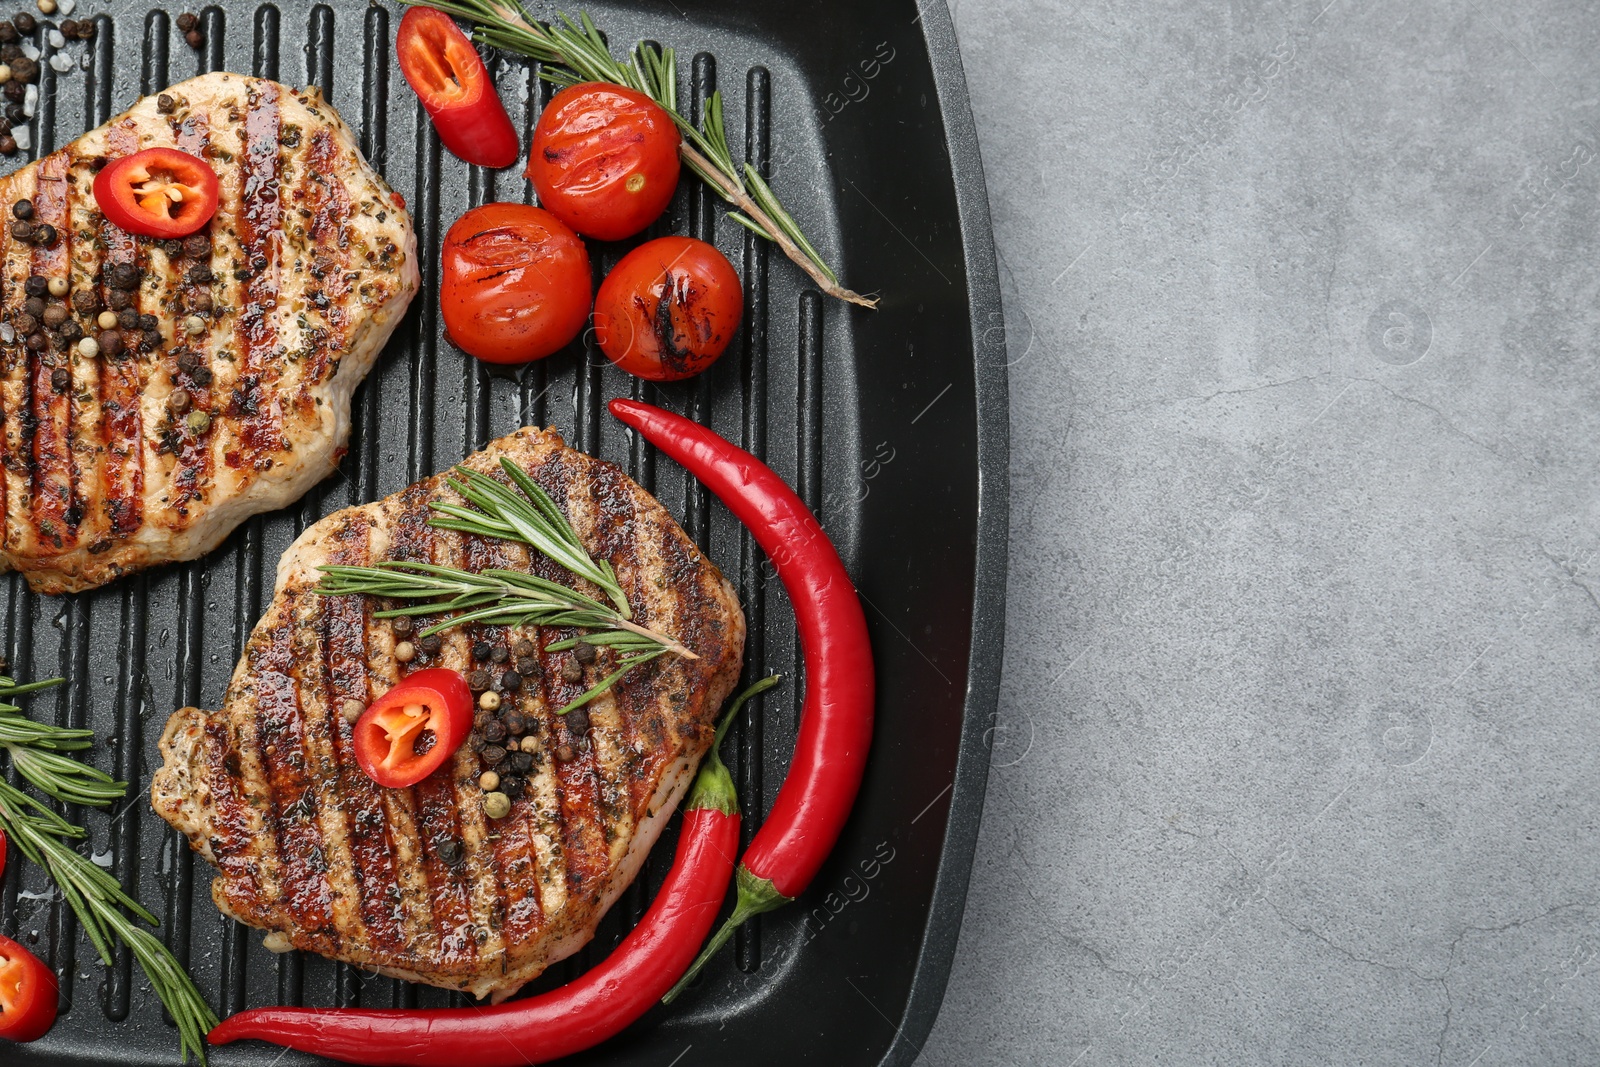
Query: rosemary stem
{"type": "Point", "coordinates": [655, 635]}
{"type": "Point", "coordinates": [737, 196]}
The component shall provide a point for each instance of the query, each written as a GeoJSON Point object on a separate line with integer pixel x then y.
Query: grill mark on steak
{"type": "Point", "coordinates": [255, 403]}
{"type": "Point", "coordinates": [235, 829]}
{"type": "Point", "coordinates": [517, 863]}
{"type": "Point", "coordinates": [88, 429]}
{"type": "Point", "coordinates": [328, 289]}
{"type": "Point", "coordinates": [51, 466]}
{"type": "Point", "coordinates": [192, 473]}
{"type": "Point", "coordinates": [292, 807]}
{"type": "Point", "coordinates": [121, 386]}
{"type": "Point", "coordinates": [371, 855]}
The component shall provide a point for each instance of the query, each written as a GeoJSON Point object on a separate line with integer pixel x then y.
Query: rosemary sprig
{"type": "Point", "coordinates": [98, 900]}
{"type": "Point", "coordinates": [574, 52]}
{"type": "Point", "coordinates": [499, 597]}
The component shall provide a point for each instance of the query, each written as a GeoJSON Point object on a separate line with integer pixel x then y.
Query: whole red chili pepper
{"type": "Point", "coordinates": [577, 1016]}
{"type": "Point", "coordinates": [836, 720]}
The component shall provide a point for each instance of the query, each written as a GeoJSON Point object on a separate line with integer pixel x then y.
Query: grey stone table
{"type": "Point", "coordinates": [1297, 758]}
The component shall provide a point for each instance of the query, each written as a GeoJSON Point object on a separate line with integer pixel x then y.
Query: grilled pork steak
{"type": "Point", "coordinates": [224, 389]}
{"type": "Point", "coordinates": [418, 883]}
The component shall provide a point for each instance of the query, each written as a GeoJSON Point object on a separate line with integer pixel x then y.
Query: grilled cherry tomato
{"type": "Point", "coordinates": [515, 283]}
{"type": "Point", "coordinates": [668, 309]}
{"type": "Point", "coordinates": [28, 994]}
{"type": "Point", "coordinates": [446, 73]}
{"type": "Point", "coordinates": [160, 192]}
{"type": "Point", "coordinates": [604, 160]}
{"type": "Point", "coordinates": [408, 732]}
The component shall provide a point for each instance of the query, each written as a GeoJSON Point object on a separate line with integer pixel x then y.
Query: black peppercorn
{"type": "Point", "coordinates": [202, 376]}
{"type": "Point", "coordinates": [430, 644]}
{"type": "Point", "coordinates": [36, 285]}
{"type": "Point", "coordinates": [110, 343]}
{"type": "Point", "coordinates": [521, 762]}
{"type": "Point", "coordinates": [71, 331]}
{"type": "Point", "coordinates": [200, 274]}
{"type": "Point", "coordinates": [120, 298]}
{"type": "Point", "coordinates": [150, 340]}
{"type": "Point", "coordinates": [187, 21]}
{"type": "Point", "coordinates": [197, 244]}
{"type": "Point", "coordinates": [187, 362]}
{"type": "Point", "coordinates": [494, 731]}
{"type": "Point", "coordinates": [478, 681]}
{"type": "Point", "coordinates": [86, 29]}
{"type": "Point", "coordinates": [36, 342]}
{"type": "Point", "coordinates": [516, 723]}
{"type": "Point", "coordinates": [450, 852]}
{"type": "Point", "coordinates": [23, 209]}
{"type": "Point", "coordinates": [511, 680]}
{"type": "Point", "coordinates": [149, 322]}
{"type": "Point", "coordinates": [499, 655]}
{"type": "Point", "coordinates": [125, 276]}
{"type": "Point", "coordinates": [5, 125]}
{"type": "Point", "coordinates": [565, 752]}
{"type": "Point", "coordinates": [55, 315]}
{"type": "Point", "coordinates": [173, 248]}
{"type": "Point", "coordinates": [527, 666]}
{"type": "Point", "coordinates": [571, 672]}
{"type": "Point", "coordinates": [61, 379]}
{"type": "Point", "coordinates": [578, 721]}
{"type": "Point", "coordinates": [24, 70]}
{"type": "Point", "coordinates": [25, 323]}
{"type": "Point", "coordinates": [8, 31]}
{"type": "Point", "coordinates": [44, 234]}
{"type": "Point", "coordinates": [14, 91]}
{"type": "Point", "coordinates": [481, 649]}
{"type": "Point", "coordinates": [22, 230]}
{"type": "Point", "coordinates": [523, 647]}
{"type": "Point", "coordinates": [165, 104]}
{"type": "Point", "coordinates": [194, 39]}
{"type": "Point", "coordinates": [15, 114]}
{"type": "Point", "coordinates": [10, 52]}
{"type": "Point", "coordinates": [24, 22]}
{"type": "Point", "coordinates": [128, 319]}
{"type": "Point", "coordinates": [85, 302]}
{"type": "Point", "coordinates": [513, 786]}
{"type": "Point", "coordinates": [493, 755]}
{"type": "Point", "coordinates": [585, 653]}
{"type": "Point", "coordinates": [200, 303]}
{"type": "Point", "coordinates": [8, 144]}
{"type": "Point", "coordinates": [34, 306]}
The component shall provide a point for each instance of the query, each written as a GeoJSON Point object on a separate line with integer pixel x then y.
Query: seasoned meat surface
{"type": "Point", "coordinates": [418, 883]}
{"type": "Point", "coordinates": [223, 390]}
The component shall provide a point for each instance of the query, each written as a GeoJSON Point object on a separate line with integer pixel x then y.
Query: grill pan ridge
{"type": "Point", "coordinates": [892, 425]}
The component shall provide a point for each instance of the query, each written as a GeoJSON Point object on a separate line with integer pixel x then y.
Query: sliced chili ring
{"type": "Point", "coordinates": [28, 994]}
{"type": "Point", "coordinates": [406, 734]}
{"type": "Point", "coordinates": [160, 192]}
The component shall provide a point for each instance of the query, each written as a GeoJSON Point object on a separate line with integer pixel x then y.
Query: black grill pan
{"type": "Point", "coordinates": [892, 424]}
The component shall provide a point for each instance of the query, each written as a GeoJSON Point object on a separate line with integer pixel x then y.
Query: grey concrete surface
{"type": "Point", "coordinates": [1297, 759]}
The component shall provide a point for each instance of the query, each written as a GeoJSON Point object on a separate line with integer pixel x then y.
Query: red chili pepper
{"type": "Point", "coordinates": [405, 735]}
{"type": "Point", "coordinates": [29, 992]}
{"type": "Point", "coordinates": [450, 79]}
{"type": "Point", "coordinates": [577, 1016]}
{"type": "Point", "coordinates": [160, 192]}
{"type": "Point", "coordinates": [836, 720]}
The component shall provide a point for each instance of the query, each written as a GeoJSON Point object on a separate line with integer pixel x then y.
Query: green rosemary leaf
{"type": "Point", "coordinates": [105, 911]}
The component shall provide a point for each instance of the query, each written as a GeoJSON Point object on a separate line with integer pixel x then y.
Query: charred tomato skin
{"type": "Point", "coordinates": [397, 749]}
{"type": "Point", "coordinates": [515, 283]}
{"type": "Point", "coordinates": [29, 994]}
{"type": "Point", "coordinates": [669, 309]}
{"type": "Point", "coordinates": [604, 160]}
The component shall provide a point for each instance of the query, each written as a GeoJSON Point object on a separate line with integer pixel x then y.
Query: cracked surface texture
{"type": "Point", "coordinates": [1297, 758]}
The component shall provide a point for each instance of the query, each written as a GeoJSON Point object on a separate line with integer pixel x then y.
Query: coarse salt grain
{"type": "Point", "coordinates": [61, 62]}
{"type": "Point", "coordinates": [30, 101]}
{"type": "Point", "coordinates": [57, 39]}
{"type": "Point", "coordinates": [30, 50]}
{"type": "Point", "coordinates": [23, 135]}
{"type": "Point", "coordinates": [64, 7]}
{"type": "Point", "coordinates": [86, 62]}
{"type": "Point", "coordinates": [8, 332]}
